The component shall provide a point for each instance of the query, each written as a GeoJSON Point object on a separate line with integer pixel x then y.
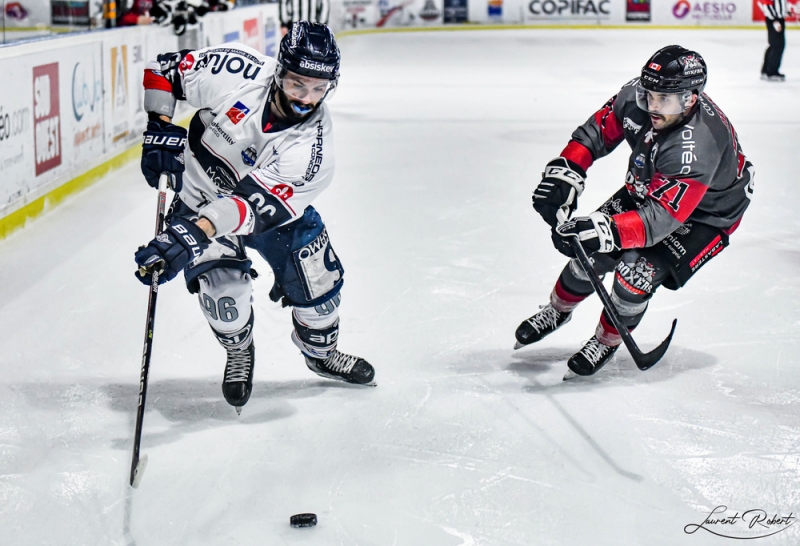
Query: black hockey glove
{"type": "Point", "coordinates": [596, 233]}
{"type": "Point", "coordinates": [171, 251]}
{"type": "Point", "coordinates": [162, 152]}
{"type": "Point", "coordinates": [562, 183]}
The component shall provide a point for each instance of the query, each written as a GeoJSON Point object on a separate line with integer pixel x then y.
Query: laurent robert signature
{"type": "Point", "coordinates": [754, 523]}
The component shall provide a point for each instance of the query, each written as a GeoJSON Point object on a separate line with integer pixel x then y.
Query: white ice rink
{"type": "Point", "coordinates": [440, 138]}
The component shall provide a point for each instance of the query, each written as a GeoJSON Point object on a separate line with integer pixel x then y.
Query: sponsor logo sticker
{"type": "Point", "coordinates": [237, 112]}
{"type": "Point", "coordinates": [46, 118]}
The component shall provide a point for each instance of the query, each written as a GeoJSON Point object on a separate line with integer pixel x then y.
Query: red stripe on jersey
{"type": "Point", "coordinates": [578, 153]}
{"type": "Point", "coordinates": [242, 206]}
{"type": "Point", "coordinates": [156, 81]}
{"type": "Point", "coordinates": [631, 229]}
{"type": "Point", "coordinates": [610, 126]}
{"type": "Point", "coordinates": [680, 196]}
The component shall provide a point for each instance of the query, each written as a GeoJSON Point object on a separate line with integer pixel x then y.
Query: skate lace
{"type": "Point", "coordinates": [594, 351]}
{"type": "Point", "coordinates": [238, 368]}
{"type": "Point", "coordinates": [340, 362]}
{"type": "Point", "coordinates": [547, 317]}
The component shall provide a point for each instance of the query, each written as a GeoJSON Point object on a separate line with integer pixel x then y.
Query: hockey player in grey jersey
{"type": "Point", "coordinates": [258, 151]}
{"type": "Point", "coordinates": [687, 186]}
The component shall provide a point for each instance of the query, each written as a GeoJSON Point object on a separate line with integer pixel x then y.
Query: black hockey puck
{"type": "Point", "coordinates": [303, 520]}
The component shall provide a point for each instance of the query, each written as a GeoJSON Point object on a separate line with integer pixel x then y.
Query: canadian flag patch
{"type": "Point", "coordinates": [655, 66]}
{"type": "Point", "coordinates": [237, 112]}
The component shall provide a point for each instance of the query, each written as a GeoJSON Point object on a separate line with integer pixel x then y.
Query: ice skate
{"type": "Point", "coordinates": [343, 367]}
{"type": "Point", "coordinates": [592, 356]}
{"type": "Point", "coordinates": [238, 381]}
{"type": "Point", "coordinates": [543, 323]}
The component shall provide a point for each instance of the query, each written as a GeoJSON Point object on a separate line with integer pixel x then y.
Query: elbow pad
{"type": "Point", "coordinates": [158, 97]}
{"type": "Point", "coordinates": [230, 216]}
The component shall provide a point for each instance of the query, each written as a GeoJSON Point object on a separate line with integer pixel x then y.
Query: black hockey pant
{"type": "Point", "coordinates": [777, 42]}
{"type": "Point", "coordinates": [638, 272]}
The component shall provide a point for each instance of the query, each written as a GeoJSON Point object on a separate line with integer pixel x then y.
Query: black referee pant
{"type": "Point", "coordinates": [777, 42]}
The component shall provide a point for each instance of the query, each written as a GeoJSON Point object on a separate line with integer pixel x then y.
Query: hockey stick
{"type": "Point", "coordinates": [644, 361]}
{"type": "Point", "coordinates": [138, 465]}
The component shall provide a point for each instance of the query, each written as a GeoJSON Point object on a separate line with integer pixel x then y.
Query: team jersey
{"type": "Point", "coordinates": [234, 151]}
{"type": "Point", "coordinates": [692, 172]}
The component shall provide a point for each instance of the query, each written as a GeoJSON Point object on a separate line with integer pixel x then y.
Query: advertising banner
{"type": "Point", "coordinates": [70, 12]}
{"type": "Point", "coordinates": [46, 118]}
{"type": "Point", "coordinates": [82, 113]}
{"type": "Point", "coordinates": [16, 131]}
{"type": "Point", "coordinates": [455, 11]}
{"type": "Point", "coordinates": [255, 26]}
{"type": "Point", "coordinates": [567, 10]}
{"type": "Point", "coordinates": [637, 10]}
{"type": "Point", "coordinates": [356, 14]}
{"type": "Point", "coordinates": [124, 59]}
{"type": "Point", "coordinates": [792, 6]}
{"type": "Point", "coordinates": [702, 12]}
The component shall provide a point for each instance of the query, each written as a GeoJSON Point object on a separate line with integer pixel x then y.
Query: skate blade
{"type": "Point", "coordinates": [570, 375]}
{"type": "Point", "coordinates": [139, 472]}
{"type": "Point", "coordinates": [238, 409]}
{"type": "Point", "coordinates": [518, 345]}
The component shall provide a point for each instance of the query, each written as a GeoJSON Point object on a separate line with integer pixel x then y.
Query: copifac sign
{"type": "Point", "coordinates": [46, 118]}
{"type": "Point", "coordinates": [583, 9]}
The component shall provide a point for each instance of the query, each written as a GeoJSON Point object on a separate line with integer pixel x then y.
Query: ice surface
{"type": "Point", "coordinates": [440, 138]}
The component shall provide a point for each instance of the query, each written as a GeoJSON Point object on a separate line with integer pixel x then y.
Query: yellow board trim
{"type": "Point", "coordinates": [20, 217]}
{"type": "Point", "coordinates": [17, 219]}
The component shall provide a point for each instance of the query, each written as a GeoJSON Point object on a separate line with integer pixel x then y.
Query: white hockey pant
{"type": "Point", "coordinates": [226, 297]}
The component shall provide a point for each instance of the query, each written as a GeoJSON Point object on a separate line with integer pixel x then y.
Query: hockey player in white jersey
{"type": "Point", "coordinates": [258, 151]}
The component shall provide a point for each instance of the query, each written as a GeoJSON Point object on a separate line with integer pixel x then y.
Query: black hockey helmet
{"type": "Point", "coordinates": [674, 68]}
{"type": "Point", "coordinates": [309, 49]}
{"type": "Point", "coordinates": [308, 68]}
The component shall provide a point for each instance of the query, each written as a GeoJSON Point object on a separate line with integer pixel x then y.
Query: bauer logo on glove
{"type": "Point", "coordinates": [170, 251]}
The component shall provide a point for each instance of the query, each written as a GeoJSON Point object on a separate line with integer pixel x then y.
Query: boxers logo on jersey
{"type": "Point", "coordinates": [655, 66]}
{"type": "Point", "coordinates": [237, 112]}
{"type": "Point", "coordinates": [636, 278]}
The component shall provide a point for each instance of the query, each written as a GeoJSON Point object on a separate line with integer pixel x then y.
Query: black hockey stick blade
{"type": "Point", "coordinates": [645, 361]}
